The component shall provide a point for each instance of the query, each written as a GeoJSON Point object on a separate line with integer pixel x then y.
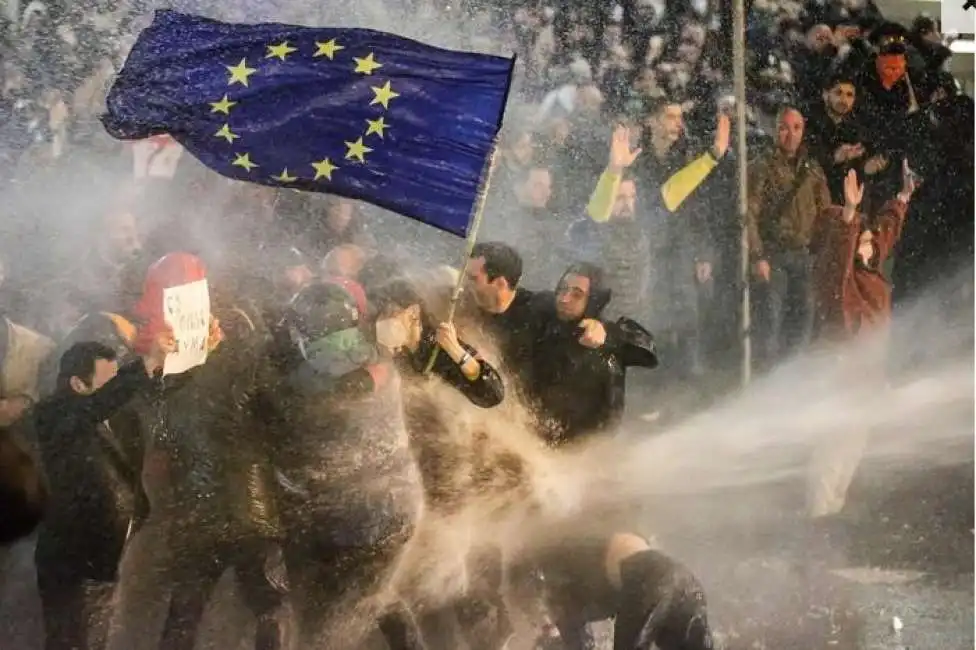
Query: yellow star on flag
{"type": "Point", "coordinates": [244, 160]}
{"type": "Point", "coordinates": [284, 177]}
{"type": "Point", "coordinates": [223, 106]}
{"type": "Point", "coordinates": [279, 51]}
{"type": "Point", "coordinates": [357, 150]}
{"type": "Point", "coordinates": [327, 49]}
{"type": "Point", "coordinates": [376, 126]}
{"type": "Point", "coordinates": [383, 95]}
{"type": "Point", "coordinates": [227, 134]}
{"type": "Point", "coordinates": [324, 169]}
{"type": "Point", "coordinates": [239, 73]}
{"type": "Point", "coordinates": [366, 65]}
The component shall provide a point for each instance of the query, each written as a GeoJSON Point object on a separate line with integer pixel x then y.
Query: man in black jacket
{"type": "Point", "coordinates": [579, 363]}
{"type": "Point", "coordinates": [92, 489]}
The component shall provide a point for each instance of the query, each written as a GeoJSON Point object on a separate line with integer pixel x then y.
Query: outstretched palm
{"type": "Point", "coordinates": [853, 190]}
{"type": "Point", "coordinates": [621, 155]}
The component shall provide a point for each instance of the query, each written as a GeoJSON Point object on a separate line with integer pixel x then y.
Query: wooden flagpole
{"type": "Point", "coordinates": [469, 243]}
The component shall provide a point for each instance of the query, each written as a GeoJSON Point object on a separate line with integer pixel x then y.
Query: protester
{"type": "Point", "coordinates": [853, 302]}
{"type": "Point", "coordinates": [580, 390]}
{"type": "Point", "coordinates": [654, 601]}
{"type": "Point", "coordinates": [92, 488]}
{"type": "Point", "coordinates": [787, 194]}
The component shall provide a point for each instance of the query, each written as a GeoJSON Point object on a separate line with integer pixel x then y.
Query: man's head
{"type": "Point", "coordinates": [572, 296]}
{"type": "Point", "coordinates": [625, 202]}
{"type": "Point", "coordinates": [536, 188]}
{"type": "Point", "coordinates": [789, 125]}
{"type": "Point", "coordinates": [493, 273]}
{"type": "Point", "coordinates": [87, 366]}
{"type": "Point", "coordinates": [666, 120]}
{"type": "Point", "coordinates": [339, 214]}
{"type": "Point", "coordinates": [344, 261]}
{"type": "Point", "coordinates": [122, 234]}
{"type": "Point", "coordinates": [839, 96]}
{"type": "Point", "coordinates": [581, 293]}
{"type": "Point", "coordinates": [820, 39]}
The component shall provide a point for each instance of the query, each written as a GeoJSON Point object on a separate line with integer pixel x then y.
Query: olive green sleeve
{"type": "Point", "coordinates": [684, 181]}
{"type": "Point", "coordinates": [601, 201]}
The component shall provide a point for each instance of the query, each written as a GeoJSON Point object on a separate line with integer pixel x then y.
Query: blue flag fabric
{"type": "Point", "coordinates": [353, 112]}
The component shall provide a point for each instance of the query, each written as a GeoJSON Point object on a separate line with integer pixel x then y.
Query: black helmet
{"type": "Point", "coordinates": [323, 322]}
{"type": "Point", "coordinates": [321, 309]}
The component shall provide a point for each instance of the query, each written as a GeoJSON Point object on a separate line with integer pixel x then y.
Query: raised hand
{"type": "Point", "coordinates": [621, 155]}
{"type": "Point", "coordinates": [853, 190]}
{"type": "Point", "coordinates": [723, 134]}
{"type": "Point", "coordinates": [909, 182]}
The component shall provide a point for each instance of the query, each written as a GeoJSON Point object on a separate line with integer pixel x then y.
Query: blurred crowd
{"type": "Point", "coordinates": [611, 215]}
{"type": "Point", "coordinates": [662, 68]}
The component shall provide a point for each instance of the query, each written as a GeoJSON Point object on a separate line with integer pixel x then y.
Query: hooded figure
{"type": "Point", "coordinates": [344, 457]}
{"type": "Point", "coordinates": [580, 390]}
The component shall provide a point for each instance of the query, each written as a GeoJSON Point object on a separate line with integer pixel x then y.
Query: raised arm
{"type": "Point", "coordinates": [131, 377]}
{"type": "Point", "coordinates": [621, 157]}
{"type": "Point", "coordinates": [686, 180]}
{"type": "Point", "coordinates": [891, 218]}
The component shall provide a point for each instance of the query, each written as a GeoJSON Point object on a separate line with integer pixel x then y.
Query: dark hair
{"type": "Point", "coordinates": [395, 296]}
{"type": "Point", "coordinates": [658, 104]}
{"type": "Point", "coordinates": [585, 270]}
{"type": "Point", "coordinates": [501, 261]}
{"type": "Point", "coordinates": [79, 361]}
{"type": "Point", "coordinates": [841, 77]}
{"type": "Point", "coordinates": [379, 270]}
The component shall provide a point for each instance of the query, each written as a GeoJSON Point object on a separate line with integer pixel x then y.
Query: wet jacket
{"type": "Point", "coordinates": [486, 391]}
{"type": "Point", "coordinates": [852, 297]}
{"type": "Point", "coordinates": [515, 331]}
{"type": "Point", "coordinates": [208, 467]}
{"type": "Point", "coordinates": [775, 220]}
{"type": "Point", "coordinates": [91, 483]}
{"type": "Point", "coordinates": [579, 390]}
{"type": "Point", "coordinates": [345, 446]}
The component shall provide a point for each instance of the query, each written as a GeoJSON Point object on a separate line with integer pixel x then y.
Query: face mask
{"type": "Point", "coordinates": [391, 333]}
{"type": "Point", "coordinates": [891, 69]}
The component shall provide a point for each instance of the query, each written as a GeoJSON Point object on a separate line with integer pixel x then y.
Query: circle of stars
{"type": "Point", "coordinates": [356, 150]}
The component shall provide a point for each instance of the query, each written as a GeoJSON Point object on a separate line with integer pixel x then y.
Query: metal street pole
{"type": "Point", "coordinates": [739, 72]}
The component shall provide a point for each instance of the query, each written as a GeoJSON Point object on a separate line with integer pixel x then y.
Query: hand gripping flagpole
{"type": "Point", "coordinates": [469, 243]}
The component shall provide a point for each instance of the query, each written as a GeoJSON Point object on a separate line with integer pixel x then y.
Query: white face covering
{"type": "Point", "coordinates": [391, 333]}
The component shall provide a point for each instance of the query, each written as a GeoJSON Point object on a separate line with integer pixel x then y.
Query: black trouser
{"type": "Point", "coordinates": [75, 581]}
{"type": "Point", "coordinates": [75, 609]}
{"type": "Point", "coordinates": [327, 575]}
{"type": "Point", "coordinates": [197, 572]}
{"type": "Point", "coordinates": [660, 605]}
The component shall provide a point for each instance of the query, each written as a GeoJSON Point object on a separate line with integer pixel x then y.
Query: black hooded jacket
{"type": "Point", "coordinates": [577, 390]}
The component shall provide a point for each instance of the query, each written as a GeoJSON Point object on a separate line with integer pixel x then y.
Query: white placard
{"type": "Point", "coordinates": [156, 157]}
{"type": "Point", "coordinates": [186, 308]}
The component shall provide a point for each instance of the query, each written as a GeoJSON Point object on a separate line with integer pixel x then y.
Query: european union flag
{"type": "Point", "coordinates": [354, 112]}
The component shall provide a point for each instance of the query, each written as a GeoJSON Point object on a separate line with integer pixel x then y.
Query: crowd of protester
{"type": "Point", "coordinates": [661, 68]}
{"type": "Point", "coordinates": [616, 162]}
